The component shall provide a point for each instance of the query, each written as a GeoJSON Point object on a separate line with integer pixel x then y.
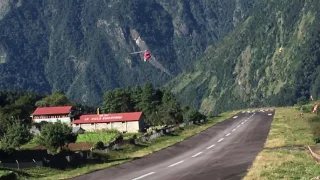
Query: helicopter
{"type": "Point", "coordinates": [146, 55]}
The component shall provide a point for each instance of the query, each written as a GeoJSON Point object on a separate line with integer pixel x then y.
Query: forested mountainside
{"type": "Point", "coordinates": [83, 47]}
{"type": "Point", "coordinates": [271, 59]}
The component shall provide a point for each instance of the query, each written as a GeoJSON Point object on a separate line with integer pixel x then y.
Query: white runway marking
{"type": "Point", "coordinates": [175, 164]}
{"type": "Point", "coordinates": [233, 130]}
{"type": "Point", "coordinates": [235, 117]}
{"type": "Point", "coordinates": [269, 114]}
{"type": "Point", "coordinates": [143, 176]}
{"type": "Point", "coordinates": [242, 122]}
{"type": "Point", "coordinates": [228, 134]}
{"type": "Point", "coordinates": [238, 126]}
{"type": "Point", "coordinates": [210, 146]}
{"type": "Point", "coordinates": [220, 140]}
{"type": "Point", "coordinates": [197, 154]}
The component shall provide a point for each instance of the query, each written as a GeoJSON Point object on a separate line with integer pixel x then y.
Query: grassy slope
{"type": "Point", "coordinates": [287, 129]}
{"type": "Point", "coordinates": [127, 153]}
{"type": "Point", "coordinates": [247, 68]}
{"type": "Point", "coordinates": [97, 136]}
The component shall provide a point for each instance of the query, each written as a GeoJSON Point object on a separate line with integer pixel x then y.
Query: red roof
{"type": "Point", "coordinates": [105, 118]}
{"type": "Point", "coordinates": [52, 110]}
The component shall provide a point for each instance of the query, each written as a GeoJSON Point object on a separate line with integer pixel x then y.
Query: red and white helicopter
{"type": "Point", "coordinates": [146, 55]}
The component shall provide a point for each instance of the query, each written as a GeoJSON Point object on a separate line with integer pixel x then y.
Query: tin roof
{"type": "Point", "coordinates": [105, 118]}
{"type": "Point", "coordinates": [52, 110]}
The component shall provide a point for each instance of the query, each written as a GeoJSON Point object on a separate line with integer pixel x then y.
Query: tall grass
{"type": "Point", "coordinates": [105, 136]}
{"type": "Point", "coordinates": [314, 123]}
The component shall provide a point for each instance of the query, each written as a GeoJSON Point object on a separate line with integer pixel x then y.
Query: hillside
{"type": "Point", "coordinates": [83, 47]}
{"type": "Point", "coordinates": [271, 59]}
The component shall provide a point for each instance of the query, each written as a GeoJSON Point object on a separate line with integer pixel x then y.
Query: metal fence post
{"type": "Point", "coordinates": [35, 162]}
{"type": "Point", "coordinates": [18, 164]}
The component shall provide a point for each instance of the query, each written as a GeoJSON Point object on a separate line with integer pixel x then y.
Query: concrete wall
{"type": "Point", "coordinates": [131, 126]}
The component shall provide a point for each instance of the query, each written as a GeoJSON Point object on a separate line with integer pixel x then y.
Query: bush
{"type": "Point", "coordinates": [314, 123]}
{"type": "Point", "coordinates": [55, 135]}
{"type": "Point", "coordinates": [119, 138]}
{"type": "Point", "coordinates": [9, 176]}
{"type": "Point", "coordinates": [99, 145]}
{"type": "Point", "coordinates": [101, 155]}
{"type": "Point", "coordinates": [132, 139]}
{"type": "Point", "coordinates": [308, 108]}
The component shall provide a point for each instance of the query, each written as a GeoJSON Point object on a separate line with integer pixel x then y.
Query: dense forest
{"type": "Point", "coordinates": [158, 105]}
{"type": "Point", "coordinates": [271, 59]}
{"type": "Point", "coordinates": [83, 47]}
{"type": "Point", "coordinates": [213, 55]}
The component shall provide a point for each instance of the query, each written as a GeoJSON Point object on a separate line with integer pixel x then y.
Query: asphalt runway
{"type": "Point", "coordinates": [224, 151]}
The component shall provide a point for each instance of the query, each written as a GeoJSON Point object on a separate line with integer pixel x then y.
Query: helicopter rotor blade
{"type": "Point", "coordinates": [137, 52]}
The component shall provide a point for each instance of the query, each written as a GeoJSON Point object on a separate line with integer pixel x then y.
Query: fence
{"type": "Point", "coordinates": [39, 158]}
{"type": "Point", "coordinates": [21, 165]}
{"type": "Point", "coordinates": [60, 161]}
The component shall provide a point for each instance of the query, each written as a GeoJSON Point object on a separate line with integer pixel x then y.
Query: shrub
{"type": "Point", "coordinates": [132, 139]}
{"type": "Point", "coordinates": [101, 155]}
{"type": "Point", "coordinates": [9, 176]}
{"type": "Point", "coordinates": [307, 108]}
{"type": "Point", "coordinates": [99, 145]}
{"type": "Point", "coordinates": [119, 138]}
{"type": "Point", "coordinates": [314, 123]}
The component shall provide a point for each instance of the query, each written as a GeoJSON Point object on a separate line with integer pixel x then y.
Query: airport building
{"type": "Point", "coordinates": [131, 122]}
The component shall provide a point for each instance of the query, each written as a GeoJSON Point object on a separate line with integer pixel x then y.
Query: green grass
{"type": "Point", "coordinates": [287, 129]}
{"type": "Point", "coordinates": [283, 164]}
{"type": "Point", "coordinates": [3, 172]}
{"type": "Point", "coordinates": [105, 136]}
{"type": "Point", "coordinates": [127, 136]}
{"type": "Point", "coordinates": [30, 144]}
{"type": "Point", "coordinates": [127, 153]}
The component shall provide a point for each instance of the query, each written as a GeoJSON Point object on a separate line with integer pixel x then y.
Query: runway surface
{"type": "Point", "coordinates": [224, 151]}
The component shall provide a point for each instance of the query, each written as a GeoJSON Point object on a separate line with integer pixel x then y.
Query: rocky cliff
{"type": "Point", "coordinates": [83, 47]}
{"type": "Point", "coordinates": [271, 59]}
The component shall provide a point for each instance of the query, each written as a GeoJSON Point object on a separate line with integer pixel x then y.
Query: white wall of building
{"type": "Point", "coordinates": [63, 120]}
{"type": "Point", "coordinates": [130, 127]}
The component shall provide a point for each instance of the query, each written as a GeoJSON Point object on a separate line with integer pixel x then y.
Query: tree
{"type": "Point", "coordinates": [117, 101]}
{"type": "Point", "coordinates": [4, 123]}
{"type": "Point", "coordinates": [107, 104]}
{"type": "Point", "coordinates": [146, 103]}
{"type": "Point", "coordinates": [16, 135]}
{"type": "Point", "coordinates": [172, 108]}
{"type": "Point", "coordinates": [55, 99]}
{"type": "Point", "coordinates": [122, 101]}
{"type": "Point", "coordinates": [55, 135]}
{"type": "Point", "coordinates": [194, 115]}
{"type": "Point", "coordinates": [158, 105]}
{"type": "Point", "coordinates": [136, 97]}
{"type": "Point", "coordinates": [18, 104]}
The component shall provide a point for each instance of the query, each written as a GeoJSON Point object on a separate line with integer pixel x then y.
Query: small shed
{"type": "Point", "coordinates": [34, 130]}
{"type": "Point", "coordinates": [77, 130]}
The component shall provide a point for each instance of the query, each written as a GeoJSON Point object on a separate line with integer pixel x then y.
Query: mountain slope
{"type": "Point", "coordinates": [83, 47]}
{"type": "Point", "coordinates": [272, 58]}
